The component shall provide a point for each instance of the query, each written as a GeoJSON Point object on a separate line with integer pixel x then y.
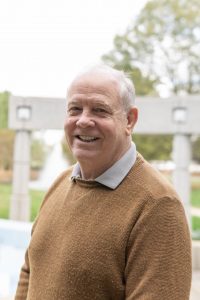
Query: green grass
{"type": "Point", "coordinates": [195, 228]}
{"type": "Point", "coordinates": [5, 191]}
{"type": "Point", "coordinates": [37, 197]}
{"type": "Point", "coordinates": [196, 223]}
{"type": "Point", "coordinates": [5, 194]}
{"type": "Point", "coordinates": [195, 199]}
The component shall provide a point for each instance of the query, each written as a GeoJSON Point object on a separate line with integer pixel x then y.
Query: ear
{"type": "Point", "coordinates": [132, 117]}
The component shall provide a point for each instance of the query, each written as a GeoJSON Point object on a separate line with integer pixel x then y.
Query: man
{"type": "Point", "coordinates": [110, 227]}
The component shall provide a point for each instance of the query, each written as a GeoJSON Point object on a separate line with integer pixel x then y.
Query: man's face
{"type": "Point", "coordinates": [97, 128]}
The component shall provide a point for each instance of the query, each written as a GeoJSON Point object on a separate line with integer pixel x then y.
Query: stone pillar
{"type": "Point", "coordinates": [181, 175]}
{"type": "Point", "coordinates": [20, 201]}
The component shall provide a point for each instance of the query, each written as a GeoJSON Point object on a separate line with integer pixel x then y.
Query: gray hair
{"type": "Point", "coordinates": [126, 86]}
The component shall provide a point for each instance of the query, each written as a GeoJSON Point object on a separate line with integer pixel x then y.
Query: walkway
{"type": "Point", "coordinates": [195, 291]}
{"type": "Point", "coordinates": [195, 211]}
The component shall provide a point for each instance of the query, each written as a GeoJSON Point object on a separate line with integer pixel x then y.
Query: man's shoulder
{"type": "Point", "coordinates": [147, 179]}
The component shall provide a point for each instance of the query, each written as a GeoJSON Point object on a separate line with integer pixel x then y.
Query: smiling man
{"type": "Point", "coordinates": [110, 227]}
{"type": "Point", "coordinates": [97, 129]}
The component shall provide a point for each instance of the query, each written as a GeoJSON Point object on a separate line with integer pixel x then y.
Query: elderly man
{"type": "Point", "coordinates": [110, 227]}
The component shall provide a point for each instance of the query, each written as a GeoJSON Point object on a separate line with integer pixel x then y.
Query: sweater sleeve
{"type": "Point", "coordinates": [22, 288]}
{"type": "Point", "coordinates": [23, 283]}
{"type": "Point", "coordinates": [158, 262]}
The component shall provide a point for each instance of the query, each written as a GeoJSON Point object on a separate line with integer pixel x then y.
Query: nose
{"type": "Point", "coordinates": [85, 120]}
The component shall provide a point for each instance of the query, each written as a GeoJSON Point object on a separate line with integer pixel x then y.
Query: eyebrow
{"type": "Point", "coordinates": [74, 102]}
{"type": "Point", "coordinates": [95, 102]}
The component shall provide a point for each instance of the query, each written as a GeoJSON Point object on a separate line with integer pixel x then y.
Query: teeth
{"type": "Point", "coordinates": [87, 138]}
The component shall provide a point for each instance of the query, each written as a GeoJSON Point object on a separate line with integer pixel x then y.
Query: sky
{"type": "Point", "coordinates": [45, 43]}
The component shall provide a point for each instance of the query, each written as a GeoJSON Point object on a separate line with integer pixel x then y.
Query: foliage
{"type": "Point", "coordinates": [4, 109]}
{"type": "Point", "coordinates": [7, 136]}
{"type": "Point", "coordinates": [67, 152]}
{"type": "Point", "coordinates": [161, 48]}
{"type": "Point", "coordinates": [163, 43]}
{"type": "Point", "coordinates": [6, 148]}
{"type": "Point", "coordinates": [144, 85]}
{"type": "Point", "coordinates": [154, 147]}
{"type": "Point", "coordinates": [196, 150]}
{"type": "Point", "coordinates": [7, 140]}
{"type": "Point", "coordinates": [38, 154]}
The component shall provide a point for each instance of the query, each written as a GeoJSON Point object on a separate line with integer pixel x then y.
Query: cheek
{"type": "Point", "coordinates": [68, 130]}
{"type": "Point", "coordinates": [69, 125]}
{"type": "Point", "coordinates": [65, 125]}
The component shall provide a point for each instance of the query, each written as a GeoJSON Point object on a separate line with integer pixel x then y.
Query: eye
{"type": "Point", "coordinates": [100, 110]}
{"type": "Point", "coordinates": [73, 110]}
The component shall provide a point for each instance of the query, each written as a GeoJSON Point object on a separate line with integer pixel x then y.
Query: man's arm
{"type": "Point", "coordinates": [159, 254]}
{"type": "Point", "coordinates": [22, 289]}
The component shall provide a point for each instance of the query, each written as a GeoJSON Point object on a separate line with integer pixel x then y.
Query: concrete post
{"type": "Point", "coordinates": [181, 174]}
{"type": "Point", "coordinates": [20, 201]}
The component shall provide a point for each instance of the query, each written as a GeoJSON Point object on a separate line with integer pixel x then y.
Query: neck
{"type": "Point", "coordinates": [88, 172]}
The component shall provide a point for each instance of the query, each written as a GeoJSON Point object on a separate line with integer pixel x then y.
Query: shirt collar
{"type": "Point", "coordinates": [116, 173]}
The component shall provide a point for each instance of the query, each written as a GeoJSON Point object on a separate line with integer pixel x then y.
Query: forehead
{"type": "Point", "coordinates": [95, 83]}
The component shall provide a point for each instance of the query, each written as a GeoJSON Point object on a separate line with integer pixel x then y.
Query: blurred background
{"type": "Point", "coordinates": [44, 44]}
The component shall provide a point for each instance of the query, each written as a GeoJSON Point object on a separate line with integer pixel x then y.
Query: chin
{"type": "Point", "coordinates": [82, 156]}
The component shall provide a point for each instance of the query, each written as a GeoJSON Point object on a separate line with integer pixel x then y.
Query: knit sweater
{"type": "Point", "coordinates": [93, 243]}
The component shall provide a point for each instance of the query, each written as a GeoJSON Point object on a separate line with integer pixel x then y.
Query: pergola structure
{"type": "Point", "coordinates": [179, 116]}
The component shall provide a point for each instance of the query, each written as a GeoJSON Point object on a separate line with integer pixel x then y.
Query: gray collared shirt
{"type": "Point", "coordinates": [116, 173]}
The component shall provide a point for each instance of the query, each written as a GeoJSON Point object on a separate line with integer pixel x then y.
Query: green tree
{"type": "Point", "coordinates": [38, 153]}
{"type": "Point", "coordinates": [6, 136]}
{"type": "Point", "coordinates": [154, 147]}
{"type": "Point", "coordinates": [164, 44]}
{"type": "Point", "coordinates": [144, 85]}
{"type": "Point", "coordinates": [67, 152]}
{"type": "Point", "coordinates": [161, 47]}
{"type": "Point", "coordinates": [6, 148]}
{"type": "Point", "coordinates": [196, 150]}
{"type": "Point", "coordinates": [38, 150]}
{"type": "Point", "coordinates": [4, 109]}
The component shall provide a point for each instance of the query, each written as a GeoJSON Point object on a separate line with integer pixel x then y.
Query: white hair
{"type": "Point", "coordinates": [126, 86]}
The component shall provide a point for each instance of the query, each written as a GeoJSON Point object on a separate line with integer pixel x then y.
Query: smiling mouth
{"type": "Point", "coordinates": [86, 138]}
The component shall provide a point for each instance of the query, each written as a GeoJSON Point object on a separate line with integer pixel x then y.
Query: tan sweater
{"type": "Point", "coordinates": [90, 242]}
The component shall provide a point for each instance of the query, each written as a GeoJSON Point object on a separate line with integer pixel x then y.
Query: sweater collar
{"type": "Point", "coordinates": [116, 173]}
